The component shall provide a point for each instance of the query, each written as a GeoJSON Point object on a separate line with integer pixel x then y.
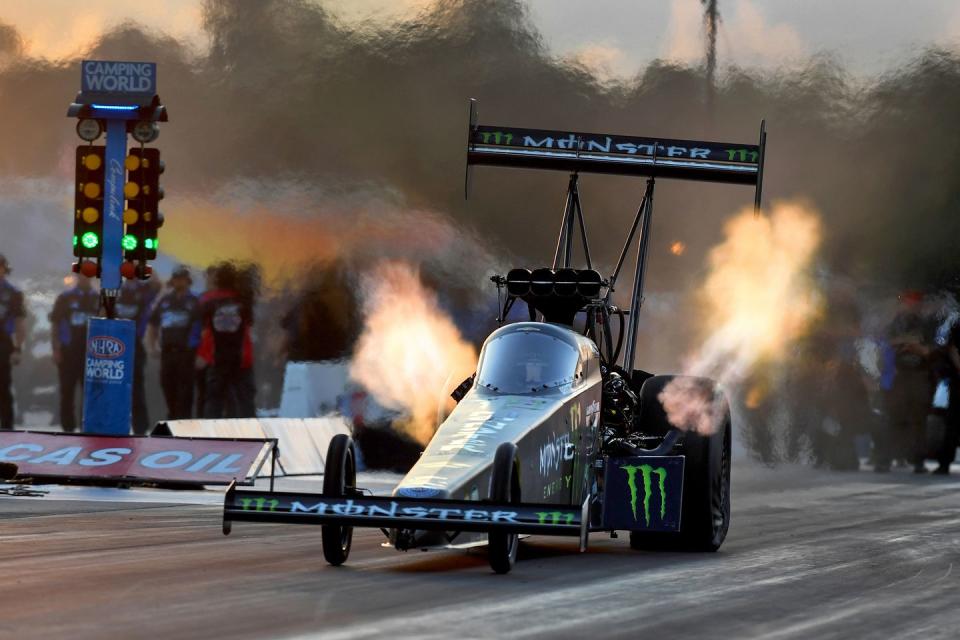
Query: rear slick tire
{"type": "Point", "coordinates": [705, 517]}
{"type": "Point", "coordinates": [504, 489]}
{"type": "Point", "coordinates": [339, 480]}
{"type": "Point", "coordinates": [705, 514]}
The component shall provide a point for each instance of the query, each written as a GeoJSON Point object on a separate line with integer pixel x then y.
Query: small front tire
{"type": "Point", "coordinates": [504, 489]}
{"type": "Point", "coordinates": [339, 478]}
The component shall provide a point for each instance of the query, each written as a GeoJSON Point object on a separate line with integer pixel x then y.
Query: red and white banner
{"type": "Point", "coordinates": [194, 460]}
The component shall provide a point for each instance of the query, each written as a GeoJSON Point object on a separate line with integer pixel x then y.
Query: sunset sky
{"type": "Point", "coordinates": [614, 37]}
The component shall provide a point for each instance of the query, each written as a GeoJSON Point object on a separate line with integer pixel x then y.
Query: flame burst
{"type": "Point", "coordinates": [758, 299]}
{"type": "Point", "coordinates": [410, 355]}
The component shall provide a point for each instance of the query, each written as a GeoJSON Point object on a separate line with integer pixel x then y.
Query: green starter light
{"type": "Point", "coordinates": [149, 243]}
{"type": "Point", "coordinates": [74, 240]}
{"type": "Point", "coordinates": [129, 242]}
{"type": "Point", "coordinates": [90, 240]}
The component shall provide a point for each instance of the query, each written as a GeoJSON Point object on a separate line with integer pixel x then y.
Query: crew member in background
{"type": "Point", "coordinates": [951, 440]}
{"type": "Point", "coordinates": [175, 325]}
{"type": "Point", "coordinates": [13, 332]}
{"type": "Point", "coordinates": [201, 368]}
{"type": "Point", "coordinates": [226, 350]}
{"type": "Point", "coordinates": [68, 333]}
{"type": "Point", "coordinates": [134, 303]}
{"type": "Point", "coordinates": [912, 340]}
{"type": "Point", "coordinates": [845, 405]}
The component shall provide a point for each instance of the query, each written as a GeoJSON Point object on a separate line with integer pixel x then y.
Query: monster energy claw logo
{"type": "Point", "coordinates": [497, 136]}
{"type": "Point", "coordinates": [743, 155]}
{"type": "Point", "coordinates": [646, 472]}
{"type": "Point", "coordinates": [554, 517]}
{"type": "Point", "coordinates": [259, 504]}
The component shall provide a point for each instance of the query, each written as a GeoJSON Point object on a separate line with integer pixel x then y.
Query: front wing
{"type": "Point", "coordinates": [395, 512]}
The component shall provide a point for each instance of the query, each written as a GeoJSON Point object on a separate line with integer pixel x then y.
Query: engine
{"type": "Point", "coordinates": [621, 426]}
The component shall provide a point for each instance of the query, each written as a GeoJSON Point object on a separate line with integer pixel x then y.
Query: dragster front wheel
{"type": "Point", "coordinates": [504, 489]}
{"type": "Point", "coordinates": [339, 478]}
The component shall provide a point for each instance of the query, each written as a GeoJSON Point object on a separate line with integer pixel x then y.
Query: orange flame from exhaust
{"type": "Point", "coordinates": [758, 299]}
{"type": "Point", "coordinates": [410, 355]}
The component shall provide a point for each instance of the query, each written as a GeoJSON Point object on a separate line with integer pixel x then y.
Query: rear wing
{"type": "Point", "coordinates": [615, 154]}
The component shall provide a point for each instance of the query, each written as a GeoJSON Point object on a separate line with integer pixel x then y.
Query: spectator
{"type": "Point", "coordinates": [201, 367]}
{"type": "Point", "coordinates": [12, 335]}
{"type": "Point", "coordinates": [68, 333]}
{"type": "Point", "coordinates": [175, 325]}
{"type": "Point", "coordinates": [911, 339]}
{"type": "Point", "coordinates": [322, 323]}
{"type": "Point", "coordinates": [845, 405]}
{"type": "Point", "coordinates": [951, 440]}
{"type": "Point", "coordinates": [226, 350]}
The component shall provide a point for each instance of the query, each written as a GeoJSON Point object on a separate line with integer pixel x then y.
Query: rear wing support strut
{"type": "Point", "coordinates": [644, 216]}
{"type": "Point", "coordinates": [572, 210]}
{"type": "Point", "coordinates": [758, 192]}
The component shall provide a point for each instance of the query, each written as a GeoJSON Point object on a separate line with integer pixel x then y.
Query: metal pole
{"type": "Point", "coordinates": [763, 149]}
{"type": "Point", "coordinates": [273, 463]}
{"type": "Point", "coordinates": [113, 197]}
{"type": "Point", "coordinates": [568, 233]}
{"type": "Point", "coordinates": [583, 228]}
{"type": "Point", "coordinates": [633, 230]}
{"type": "Point", "coordinates": [566, 226]}
{"type": "Point", "coordinates": [107, 407]}
{"type": "Point", "coordinates": [637, 296]}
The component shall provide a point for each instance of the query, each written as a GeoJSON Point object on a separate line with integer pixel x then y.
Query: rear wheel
{"type": "Point", "coordinates": [504, 489]}
{"type": "Point", "coordinates": [705, 515]}
{"type": "Point", "coordinates": [339, 478]}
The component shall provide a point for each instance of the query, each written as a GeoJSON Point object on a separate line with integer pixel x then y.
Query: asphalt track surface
{"type": "Point", "coordinates": [810, 555]}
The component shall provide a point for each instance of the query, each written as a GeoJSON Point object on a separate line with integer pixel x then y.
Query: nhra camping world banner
{"type": "Point", "coordinates": [108, 376]}
{"type": "Point", "coordinates": [192, 460]}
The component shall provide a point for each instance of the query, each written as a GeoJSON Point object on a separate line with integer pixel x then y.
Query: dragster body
{"type": "Point", "coordinates": [556, 433]}
{"type": "Point", "coordinates": [538, 389]}
{"type": "Point", "coordinates": [537, 386]}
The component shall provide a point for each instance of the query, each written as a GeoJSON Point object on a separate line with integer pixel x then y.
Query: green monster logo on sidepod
{"type": "Point", "coordinates": [646, 472]}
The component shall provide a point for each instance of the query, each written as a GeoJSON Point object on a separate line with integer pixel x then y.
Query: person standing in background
{"type": "Point", "coordinates": [134, 303]}
{"type": "Point", "coordinates": [68, 333]}
{"type": "Point", "coordinates": [12, 335]}
{"type": "Point", "coordinates": [200, 364]}
{"type": "Point", "coordinates": [948, 451]}
{"type": "Point", "coordinates": [912, 340]}
{"type": "Point", "coordinates": [174, 333]}
{"type": "Point", "coordinates": [226, 348]}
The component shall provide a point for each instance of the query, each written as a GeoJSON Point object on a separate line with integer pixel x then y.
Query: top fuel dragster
{"type": "Point", "coordinates": [556, 433]}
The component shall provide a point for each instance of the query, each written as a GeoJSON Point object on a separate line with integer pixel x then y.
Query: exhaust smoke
{"type": "Point", "coordinates": [410, 354]}
{"type": "Point", "coordinates": [759, 297]}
